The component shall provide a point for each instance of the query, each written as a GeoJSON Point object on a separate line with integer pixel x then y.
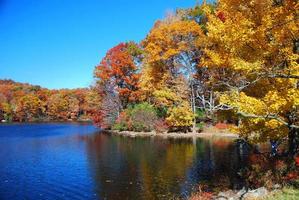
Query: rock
{"type": "Point", "coordinates": [243, 194]}
{"type": "Point", "coordinates": [256, 194]}
{"type": "Point", "coordinates": [277, 186]}
{"type": "Point", "coordinates": [228, 195]}
{"type": "Point", "coordinates": [240, 193]}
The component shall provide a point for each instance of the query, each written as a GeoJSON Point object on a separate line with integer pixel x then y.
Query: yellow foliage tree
{"type": "Point", "coordinates": [180, 116]}
{"type": "Point", "coordinates": [7, 110]}
{"type": "Point", "coordinates": [171, 55]}
{"type": "Point", "coordinates": [255, 45]}
{"type": "Point", "coordinates": [29, 107]}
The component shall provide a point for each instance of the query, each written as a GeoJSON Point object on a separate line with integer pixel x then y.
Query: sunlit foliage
{"type": "Point", "coordinates": [255, 45]}
{"type": "Point", "coordinates": [117, 81]}
{"type": "Point", "coordinates": [24, 102]}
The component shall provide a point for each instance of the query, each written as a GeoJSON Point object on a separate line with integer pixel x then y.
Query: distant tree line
{"type": "Point", "coordinates": [21, 102]}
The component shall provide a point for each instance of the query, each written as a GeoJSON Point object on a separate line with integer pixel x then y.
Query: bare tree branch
{"type": "Point", "coordinates": [283, 76]}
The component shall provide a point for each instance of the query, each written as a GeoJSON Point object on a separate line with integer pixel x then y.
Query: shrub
{"type": "Point", "coordinates": [200, 126]}
{"type": "Point", "coordinates": [222, 126]}
{"type": "Point", "coordinates": [161, 126]}
{"type": "Point", "coordinates": [268, 171]}
{"type": "Point", "coordinates": [122, 123]}
{"type": "Point", "coordinates": [200, 114]}
{"type": "Point", "coordinates": [180, 117]}
{"type": "Point", "coordinates": [162, 112]}
{"type": "Point", "coordinates": [143, 117]}
{"type": "Point", "coordinates": [202, 193]}
{"type": "Point", "coordinates": [140, 117]}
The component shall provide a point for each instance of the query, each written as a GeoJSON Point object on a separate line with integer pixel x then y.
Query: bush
{"type": "Point", "coordinates": [140, 117]}
{"type": "Point", "coordinates": [162, 112]}
{"type": "Point", "coordinates": [222, 126]}
{"type": "Point", "coordinates": [264, 171]}
{"type": "Point", "coordinates": [161, 126]}
{"type": "Point", "coordinates": [200, 126]}
{"type": "Point", "coordinates": [122, 123]}
{"type": "Point", "coordinates": [143, 117]}
{"type": "Point", "coordinates": [180, 117]}
{"type": "Point", "coordinates": [200, 114]}
{"type": "Point", "coordinates": [202, 193]}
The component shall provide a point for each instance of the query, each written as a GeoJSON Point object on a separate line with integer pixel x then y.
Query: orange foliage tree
{"type": "Point", "coordinates": [117, 79]}
{"type": "Point", "coordinates": [120, 67]}
{"type": "Point", "coordinates": [25, 102]}
{"type": "Point", "coordinates": [29, 108]}
{"type": "Point", "coordinates": [171, 56]}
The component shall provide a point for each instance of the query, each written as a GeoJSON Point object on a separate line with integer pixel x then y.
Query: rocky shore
{"type": "Point", "coordinates": [244, 194]}
{"type": "Point", "coordinates": [173, 135]}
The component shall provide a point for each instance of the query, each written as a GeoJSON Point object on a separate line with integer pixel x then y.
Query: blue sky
{"type": "Point", "coordinates": [57, 43]}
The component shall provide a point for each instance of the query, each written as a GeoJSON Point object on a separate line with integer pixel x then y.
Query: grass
{"type": "Point", "coordinates": [285, 194]}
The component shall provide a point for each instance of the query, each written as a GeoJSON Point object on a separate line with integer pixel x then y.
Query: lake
{"type": "Point", "coordinates": [76, 161]}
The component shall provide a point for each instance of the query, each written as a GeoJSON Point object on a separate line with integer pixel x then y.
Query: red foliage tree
{"type": "Point", "coordinates": [120, 68]}
{"type": "Point", "coordinates": [117, 79]}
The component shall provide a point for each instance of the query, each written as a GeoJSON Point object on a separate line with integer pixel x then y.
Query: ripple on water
{"type": "Point", "coordinates": [79, 164]}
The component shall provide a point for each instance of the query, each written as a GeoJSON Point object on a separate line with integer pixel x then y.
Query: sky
{"type": "Point", "coordinates": [57, 43]}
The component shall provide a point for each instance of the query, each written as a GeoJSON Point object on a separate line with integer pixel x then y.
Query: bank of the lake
{"type": "Point", "coordinates": [288, 193]}
{"type": "Point", "coordinates": [182, 135]}
{"type": "Point", "coordinates": [88, 121]}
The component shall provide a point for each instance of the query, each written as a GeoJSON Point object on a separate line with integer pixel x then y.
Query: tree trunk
{"type": "Point", "coordinates": [193, 108]}
{"type": "Point", "coordinates": [293, 141]}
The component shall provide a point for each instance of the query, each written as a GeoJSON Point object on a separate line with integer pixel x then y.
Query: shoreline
{"type": "Point", "coordinates": [174, 135]}
{"type": "Point", "coordinates": [44, 121]}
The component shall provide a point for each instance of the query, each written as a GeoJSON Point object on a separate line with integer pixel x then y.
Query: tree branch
{"type": "Point", "coordinates": [247, 115]}
{"type": "Point", "coordinates": [283, 76]}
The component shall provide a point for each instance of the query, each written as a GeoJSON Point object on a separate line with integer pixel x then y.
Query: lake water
{"type": "Point", "coordinates": [76, 161]}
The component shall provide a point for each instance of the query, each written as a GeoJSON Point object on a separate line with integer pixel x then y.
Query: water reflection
{"type": "Point", "coordinates": [153, 168]}
{"type": "Point", "coordinates": [74, 161]}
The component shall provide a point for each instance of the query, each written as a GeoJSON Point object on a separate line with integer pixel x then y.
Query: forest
{"type": "Point", "coordinates": [29, 103]}
{"type": "Point", "coordinates": [234, 62]}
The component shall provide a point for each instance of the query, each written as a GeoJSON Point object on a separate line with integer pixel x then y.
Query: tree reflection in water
{"type": "Point", "coordinates": [154, 168]}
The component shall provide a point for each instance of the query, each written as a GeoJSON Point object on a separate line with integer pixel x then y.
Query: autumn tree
{"type": "Point", "coordinates": [171, 57]}
{"type": "Point", "coordinates": [6, 111]}
{"type": "Point", "coordinates": [10, 91]}
{"type": "Point", "coordinates": [120, 67]}
{"type": "Point", "coordinates": [73, 107]}
{"type": "Point", "coordinates": [117, 79]}
{"type": "Point", "coordinates": [2, 101]}
{"type": "Point", "coordinates": [90, 103]}
{"type": "Point", "coordinates": [25, 102]}
{"type": "Point", "coordinates": [57, 107]}
{"type": "Point", "coordinates": [29, 108]}
{"type": "Point", "coordinates": [254, 46]}
{"type": "Point", "coordinates": [63, 105]}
